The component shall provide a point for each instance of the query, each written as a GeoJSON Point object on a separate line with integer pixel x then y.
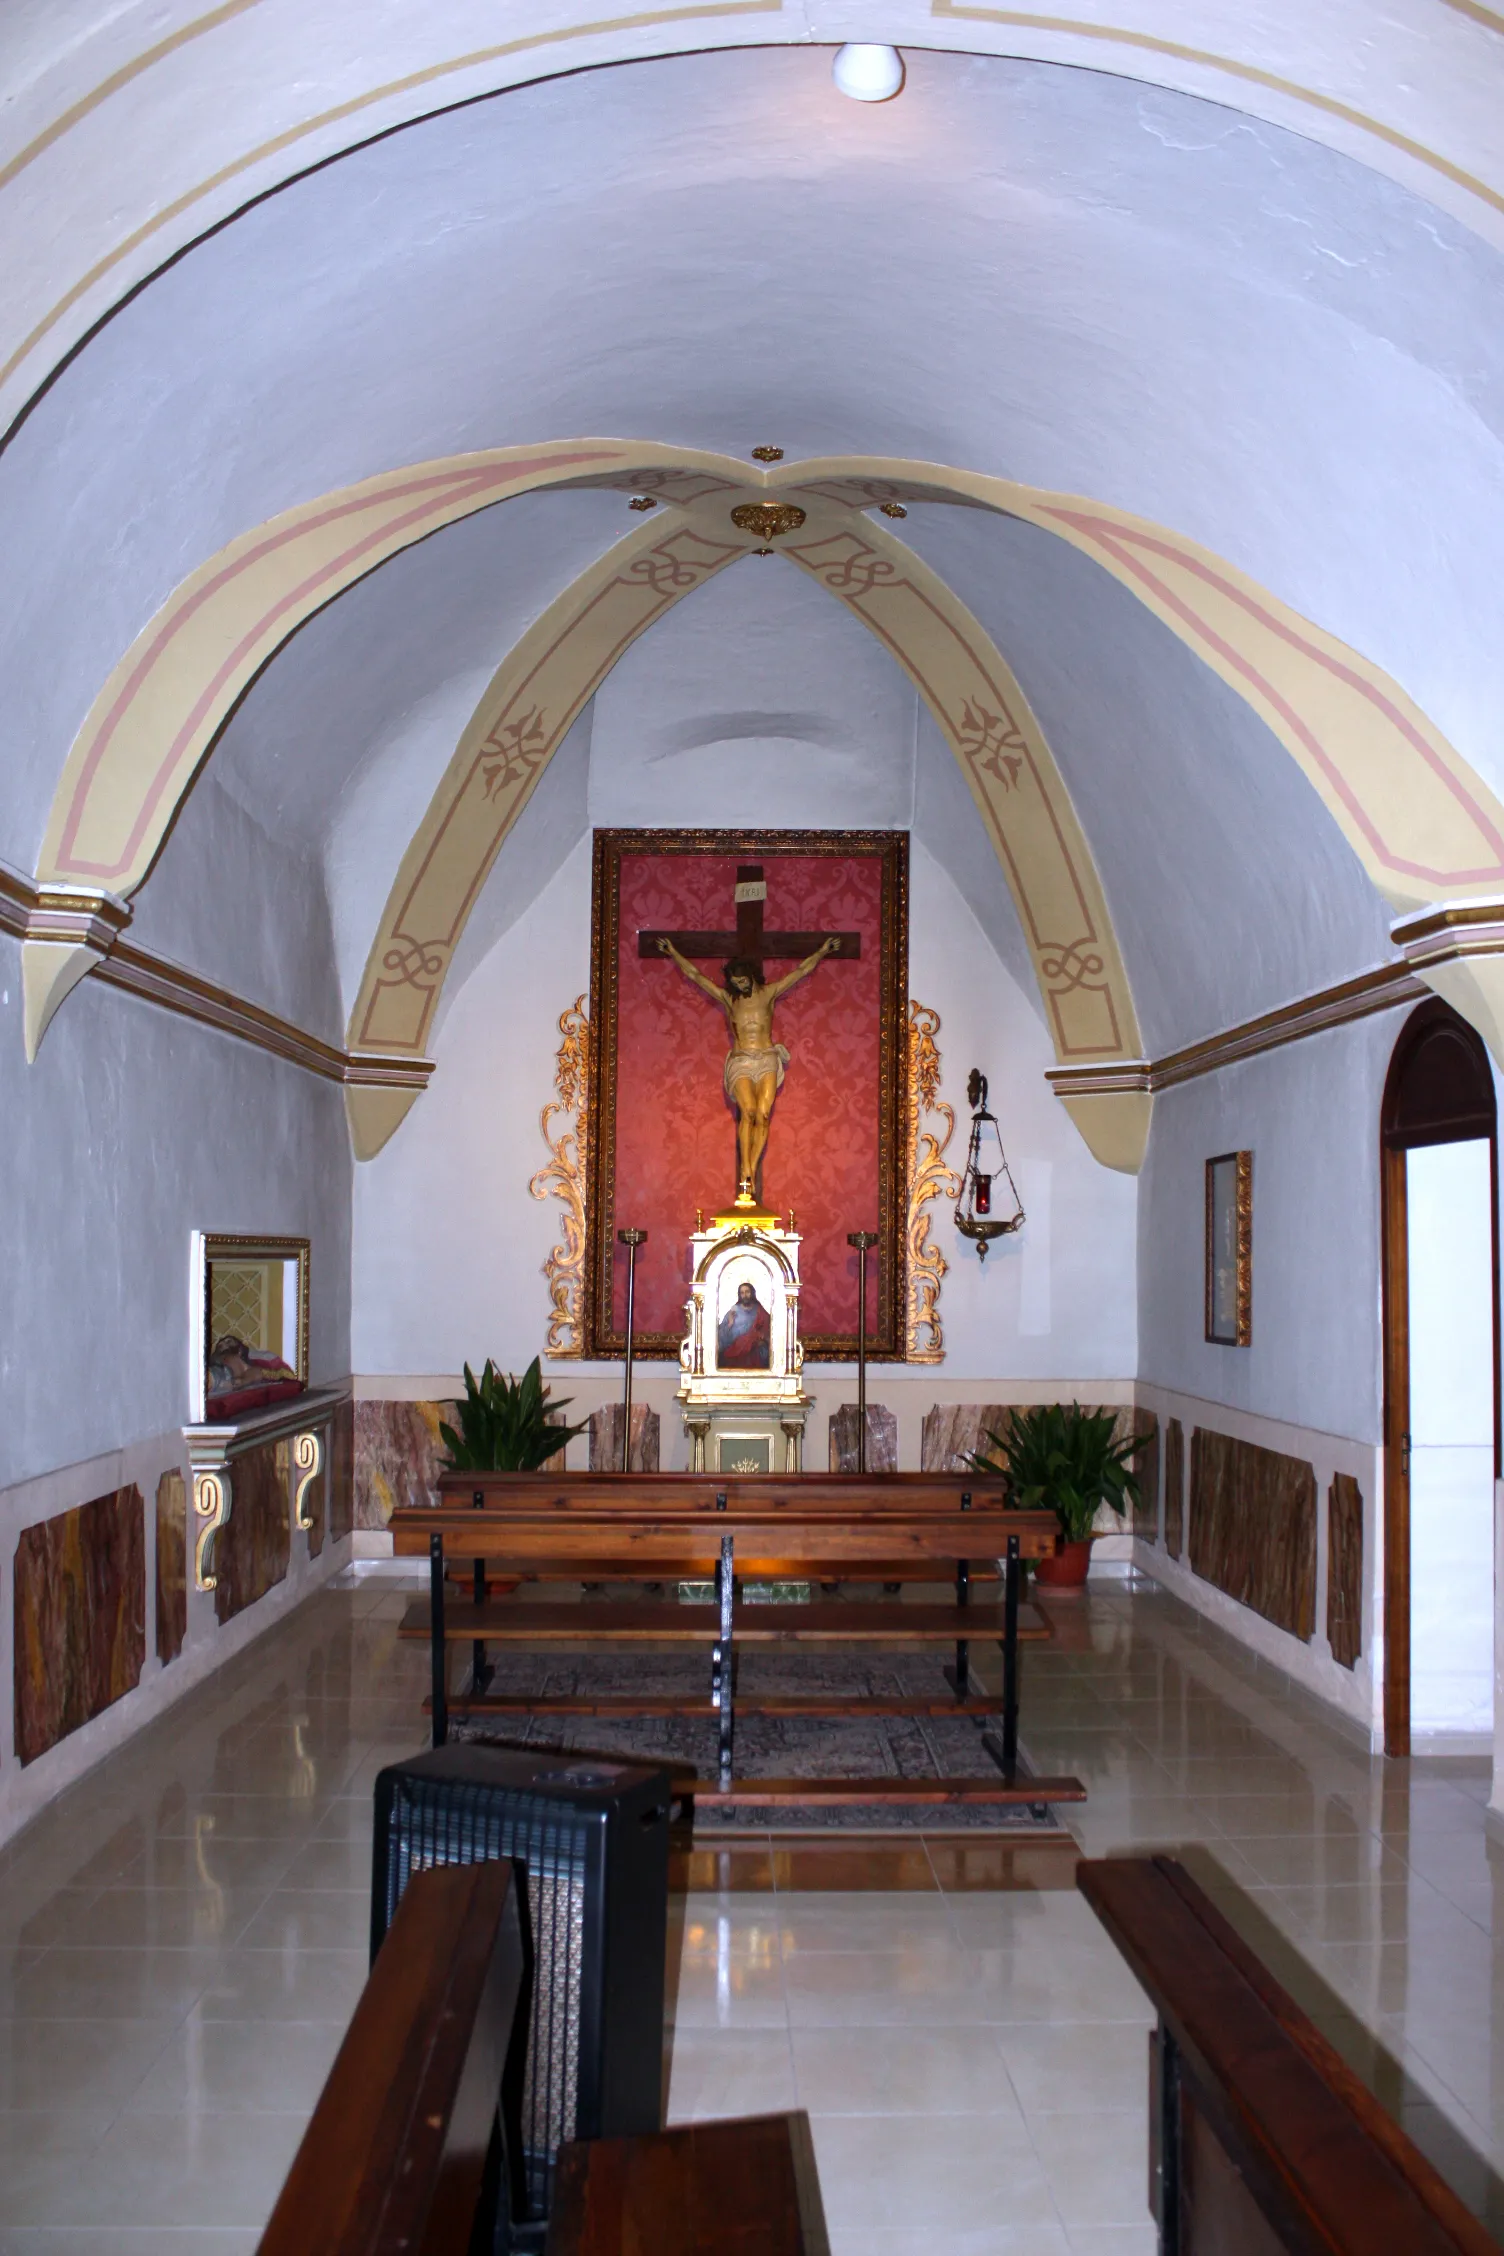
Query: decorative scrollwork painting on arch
{"type": "Point", "coordinates": [929, 1178]}
{"type": "Point", "coordinates": [564, 1178]}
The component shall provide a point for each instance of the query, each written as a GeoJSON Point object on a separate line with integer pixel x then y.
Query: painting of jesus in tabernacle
{"type": "Point", "coordinates": [744, 1335]}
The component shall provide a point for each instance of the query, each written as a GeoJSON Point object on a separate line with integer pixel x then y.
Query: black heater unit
{"type": "Point", "coordinates": [591, 1839]}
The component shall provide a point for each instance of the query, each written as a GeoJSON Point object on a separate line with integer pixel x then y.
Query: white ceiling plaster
{"type": "Point", "coordinates": [1230, 886]}
{"type": "Point", "coordinates": [757, 700]}
{"type": "Point", "coordinates": [138, 127]}
{"type": "Point", "coordinates": [1047, 273]}
{"type": "Point", "coordinates": [340, 744]}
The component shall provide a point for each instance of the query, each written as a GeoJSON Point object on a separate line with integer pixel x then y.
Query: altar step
{"type": "Point", "coordinates": [628, 1621]}
{"type": "Point", "coordinates": [839, 1793]}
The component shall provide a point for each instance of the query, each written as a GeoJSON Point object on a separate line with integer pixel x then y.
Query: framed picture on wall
{"type": "Point", "coordinates": [1229, 1249]}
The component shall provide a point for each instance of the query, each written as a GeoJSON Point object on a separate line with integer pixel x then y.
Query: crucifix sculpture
{"type": "Point", "coordinates": [755, 1063]}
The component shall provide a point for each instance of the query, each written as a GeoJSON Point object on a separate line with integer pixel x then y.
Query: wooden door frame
{"type": "Point", "coordinates": [1394, 1147]}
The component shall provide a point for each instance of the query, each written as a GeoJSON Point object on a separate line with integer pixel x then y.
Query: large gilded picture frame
{"type": "Point", "coordinates": [662, 1145]}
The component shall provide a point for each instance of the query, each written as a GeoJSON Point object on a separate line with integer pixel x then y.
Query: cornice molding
{"type": "Point", "coordinates": [1452, 930]}
{"type": "Point", "coordinates": [1386, 987]}
{"type": "Point", "coordinates": [86, 919]}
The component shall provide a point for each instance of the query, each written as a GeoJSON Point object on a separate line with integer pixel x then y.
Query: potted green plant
{"type": "Point", "coordinates": [1071, 1462]}
{"type": "Point", "coordinates": [506, 1425]}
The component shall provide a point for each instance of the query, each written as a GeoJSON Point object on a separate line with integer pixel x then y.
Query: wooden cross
{"type": "Point", "coordinates": [749, 939]}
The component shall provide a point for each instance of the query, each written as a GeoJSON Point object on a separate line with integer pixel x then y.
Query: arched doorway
{"type": "Point", "coordinates": [1441, 1387]}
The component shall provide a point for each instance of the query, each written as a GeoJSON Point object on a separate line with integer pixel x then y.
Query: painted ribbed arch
{"type": "Point", "coordinates": [536, 693]}
{"type": "Point", "coordinates": [1424, 825]}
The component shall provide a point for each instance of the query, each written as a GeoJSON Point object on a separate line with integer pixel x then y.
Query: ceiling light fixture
{"type": "Point", "coordinates": [868, 74]}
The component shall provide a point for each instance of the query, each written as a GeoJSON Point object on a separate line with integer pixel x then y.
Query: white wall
{"type": "Point", "coordinates": [133, 1128]}
{"type": "Point", "coordinates": [1309, 1113]}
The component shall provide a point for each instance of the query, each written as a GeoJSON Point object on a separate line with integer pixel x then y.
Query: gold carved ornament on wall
{"type": "Point", "coordinates": [564, 1178]}
{"type": "Point", "coordinates": [929, 1178]}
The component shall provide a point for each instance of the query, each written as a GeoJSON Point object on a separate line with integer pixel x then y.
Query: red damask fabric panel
{"type": "Point", "coordinates": [675, 1128]}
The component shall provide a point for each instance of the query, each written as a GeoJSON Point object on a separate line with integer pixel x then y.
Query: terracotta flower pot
{"type": "Point", "coordinates": [1067, 1569]}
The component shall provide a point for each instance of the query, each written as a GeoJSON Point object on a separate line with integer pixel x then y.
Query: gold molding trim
{"type": "Point", "coordinates": [929, 1178]}
{"type": "Point", "coordinates": [564, 1178]}
{"type": "Point", "coordinates": [308, 1461]}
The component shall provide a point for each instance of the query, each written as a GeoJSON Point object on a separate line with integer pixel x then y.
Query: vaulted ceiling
{"type": "Point", "coordinates": [1269, 329]}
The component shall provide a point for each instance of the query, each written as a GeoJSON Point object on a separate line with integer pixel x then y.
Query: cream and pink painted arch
{"type": "Point", "coordinates": [1424, 825]}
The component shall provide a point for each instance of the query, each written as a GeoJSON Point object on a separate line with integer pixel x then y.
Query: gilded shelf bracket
{"type": "Point", "coordinates": [211, 1502]}
{"type": "Point", "coordinates": [308, 1459]}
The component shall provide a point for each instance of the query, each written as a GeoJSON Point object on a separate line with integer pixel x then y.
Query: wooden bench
{"type": "Point", "coordinates": [785, 1495]}
{"type": "Point", "coordinates": [731, 1527]}
{"type": "Point", "coordinates": [1261, 2138]}
{"type": "Point", "coordinates": [403, 2151]}
{"type": "Point", "coordinates": [746, 2187]}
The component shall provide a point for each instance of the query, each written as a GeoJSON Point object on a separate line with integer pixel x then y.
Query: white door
{"type": "Point", "coordinates": [1449, 1202]}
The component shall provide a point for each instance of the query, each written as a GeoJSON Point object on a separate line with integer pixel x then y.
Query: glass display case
{"type": "Point", "coordinates": [250, 1328]}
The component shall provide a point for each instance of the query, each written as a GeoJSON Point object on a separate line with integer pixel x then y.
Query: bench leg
{"type": "Point", "coordinates": [959, 1677]}
{"type": "Point", "coordinates": [480, 1675]}
{"type": "Point", "coordinates": [436, 1639]}
{"type": "Point", "coordinates": [1014, 1574]}
{"type": "Point", "coordinates": [723, 1659]}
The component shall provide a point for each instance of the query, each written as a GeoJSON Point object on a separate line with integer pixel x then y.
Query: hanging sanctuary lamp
{"type": "Point", "coordinates": [981, 1213]}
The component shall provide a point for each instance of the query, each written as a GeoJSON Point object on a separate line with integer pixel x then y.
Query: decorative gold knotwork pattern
{"type": "Point", "coordinates": [768, 519]}
{"type": "Point", "coordinates": [929, 1178]}
{"type": "Point", "coordinates": [564, 1178]}
{"type": "Point", "coordinates": [308, 1457]}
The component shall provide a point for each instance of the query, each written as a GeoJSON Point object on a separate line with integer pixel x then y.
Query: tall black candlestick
{"type": "Point", "coordinates": [861, 1239]}
{"type": "Point", "coordinates": [631, 1239]}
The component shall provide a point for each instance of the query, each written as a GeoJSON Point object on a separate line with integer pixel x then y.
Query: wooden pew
{"type": "Point", "coordinates": [401, 2156]}
{"type": "Point", "coordinates": [1261, 2138]}
{"type": "Point", "coordinates": [735, 1526]}
{"type": "Point", "coordinates": [746, 2187]}
{"type": "Point", "coordinates": [788, 1496]}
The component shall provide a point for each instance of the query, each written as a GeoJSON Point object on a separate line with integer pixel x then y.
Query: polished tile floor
{"type": "Point", "coordinates": [182, 1939]}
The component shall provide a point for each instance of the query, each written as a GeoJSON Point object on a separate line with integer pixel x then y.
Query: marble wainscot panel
{"type": "Point", "coordinates": [340, 1480]}
{"type": "Point", "coordinates": [80, 1616]}
{"type": "Point", "coordinates": [398, 1456]}
{"type": "Point", "coordinates": [1174, 1487]}
{"type": "Point", "coordinates": [1344, 1571]}
{"type": "Point", "coordinates": [952, 1430]}
{"type": "Point", "coordinates": [605, 1439]}
{"type": "Point", "coordinates": [172, 1564]}
{"type": "Point", "coordinates": [1253, 1527]}
{"type": "Point", "coordinates": [252, 1549]}
{"type": "Point", "coordinates": [882, 1438]}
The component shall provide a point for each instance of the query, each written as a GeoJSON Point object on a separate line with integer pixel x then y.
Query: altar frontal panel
{"type": "Point", "coordinates": [663, 1143]}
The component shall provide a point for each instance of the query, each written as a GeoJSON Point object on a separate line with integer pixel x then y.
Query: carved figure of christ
{"type": "Point", "coordinates": [755, 1063]}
